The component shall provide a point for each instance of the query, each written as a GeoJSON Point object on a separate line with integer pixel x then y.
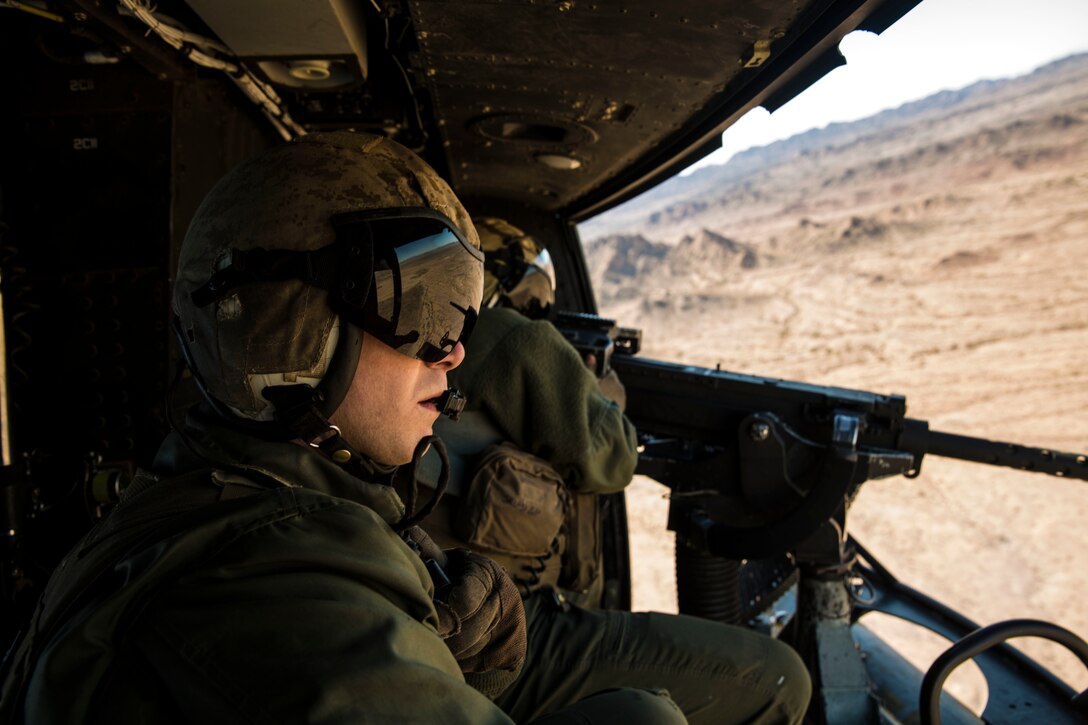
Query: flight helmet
{"type": "Point", "coordinates": [296, 252]}
{"type": "Point", "coordinates": [518, 271]}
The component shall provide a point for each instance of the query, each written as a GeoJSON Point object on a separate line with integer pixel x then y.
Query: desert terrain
{"type": "Point", "coordinates": [936, 251]}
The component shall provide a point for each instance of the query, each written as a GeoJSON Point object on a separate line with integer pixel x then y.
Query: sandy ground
{"type": "Point", "coordinates": [967, 295]}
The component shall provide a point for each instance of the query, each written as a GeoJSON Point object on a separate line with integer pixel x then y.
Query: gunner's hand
{"type": "Point", "coordinates": [609, 383]}
{"type": "Point", "coordinates": [480, 615]}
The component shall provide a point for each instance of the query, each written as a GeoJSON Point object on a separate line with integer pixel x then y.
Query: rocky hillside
{"type": "Point", "coordinates": [835, 188]}
{"type": "Point", "coordinates": [619, 259]}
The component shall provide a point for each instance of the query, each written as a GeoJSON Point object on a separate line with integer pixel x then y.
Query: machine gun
{"type": "Point", "coordinates": [758, 464]}
{"type": "Point", "coordinates": [762, 472]}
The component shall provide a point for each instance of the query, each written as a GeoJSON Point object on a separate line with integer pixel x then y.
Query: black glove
{"type": "Point", "coordinates": [480, 614]}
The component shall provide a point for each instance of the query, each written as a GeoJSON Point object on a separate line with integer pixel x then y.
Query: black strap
{"type": "Point", "coordinates": [412, 517]}
{"type": "Point", "coordinates": [296, 409]}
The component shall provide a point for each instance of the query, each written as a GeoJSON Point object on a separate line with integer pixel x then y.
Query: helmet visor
{"type": "Point", "coordinates": [427, 284]}
{"type": "Point", "coordinates": [535, 291]}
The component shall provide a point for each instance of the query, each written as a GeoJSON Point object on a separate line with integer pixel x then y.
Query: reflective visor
{"type": "Point", "coordinates": [428, 280]}
{"type": "Point", "coordinates": [536, 288]}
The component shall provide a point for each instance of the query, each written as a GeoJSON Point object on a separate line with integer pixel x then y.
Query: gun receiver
{"type": "Point", "coordinates": [758, 464]}
{"type": "Point", "coordinates": [599, 336]}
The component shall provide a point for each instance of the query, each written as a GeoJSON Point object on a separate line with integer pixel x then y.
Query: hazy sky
{"type": "Point", "coordinates": [941, 44]}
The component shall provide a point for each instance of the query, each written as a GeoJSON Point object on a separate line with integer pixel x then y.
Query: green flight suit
{"type": "Point", "coordinates": [532, 384]}
{"type": "Point", "coordinates": [294, 603]}
{"type": "Point", "coordinates": [254, 582]}
{"type": "Point", "coordinates": [537, 392]}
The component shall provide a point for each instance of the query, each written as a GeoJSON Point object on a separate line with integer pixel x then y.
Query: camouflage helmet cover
{"type": "Point", "coordinates": [285, 332]}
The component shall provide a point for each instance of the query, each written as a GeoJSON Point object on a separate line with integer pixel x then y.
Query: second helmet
{"type": "Point", "coordinates": [518, 270]}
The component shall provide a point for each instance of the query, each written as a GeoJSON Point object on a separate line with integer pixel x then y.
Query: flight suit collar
{"type": "Point", "coordinates": [205, 442]}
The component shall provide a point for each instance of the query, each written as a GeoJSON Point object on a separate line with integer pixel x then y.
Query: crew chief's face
{"type": "Point", "coordinates": [390, 405]}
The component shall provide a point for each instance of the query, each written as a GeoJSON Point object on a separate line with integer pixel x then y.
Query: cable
{"type": "Point", "coordinates": [400, 67]}
{"type": "Point", "coordinates": [172, 34]}
{"type": "Point", "coordinates": [32, 9]}
{"type": "Point", "coordinates": [526, 584]}
{"type": "Point", "coordinates": [203, 51]}
{"type": "Point", "coordinates": [412, 94]}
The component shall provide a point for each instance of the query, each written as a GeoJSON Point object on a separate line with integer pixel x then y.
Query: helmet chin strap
{"type": "Point", "coordinates": [297, 409]}
{"type": "Point", "coordinates": [333, 445]}
{"type": "Point", "coordinates": [412, 517]}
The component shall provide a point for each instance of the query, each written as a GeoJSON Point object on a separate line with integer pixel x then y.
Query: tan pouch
{"type": "Point", "coordinates": [514, 504]}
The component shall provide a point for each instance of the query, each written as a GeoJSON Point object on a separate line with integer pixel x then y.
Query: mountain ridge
{"type": "Point", "coordinates": [696, 191]}
{"type": "Point", "coordinates": [843, 187]}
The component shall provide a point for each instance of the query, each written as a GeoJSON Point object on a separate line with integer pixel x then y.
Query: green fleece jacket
{"type": "Point", "coordinates": [536, 389]}
{"type": "Point", "coordinates": [253, 582]}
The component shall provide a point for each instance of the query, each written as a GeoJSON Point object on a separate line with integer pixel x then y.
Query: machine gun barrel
{"type": "Point", "coordinates": [758, 465]}
{"type": "Point", "coordinates": [1010, 455]}
{"type": "Point", "coordinates": [673, 401]}
{"type": "Point", "coordinates": [677, 401]}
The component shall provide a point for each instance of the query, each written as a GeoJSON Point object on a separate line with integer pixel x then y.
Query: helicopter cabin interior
{"type": "Point", "coordinates": [122, 114]}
